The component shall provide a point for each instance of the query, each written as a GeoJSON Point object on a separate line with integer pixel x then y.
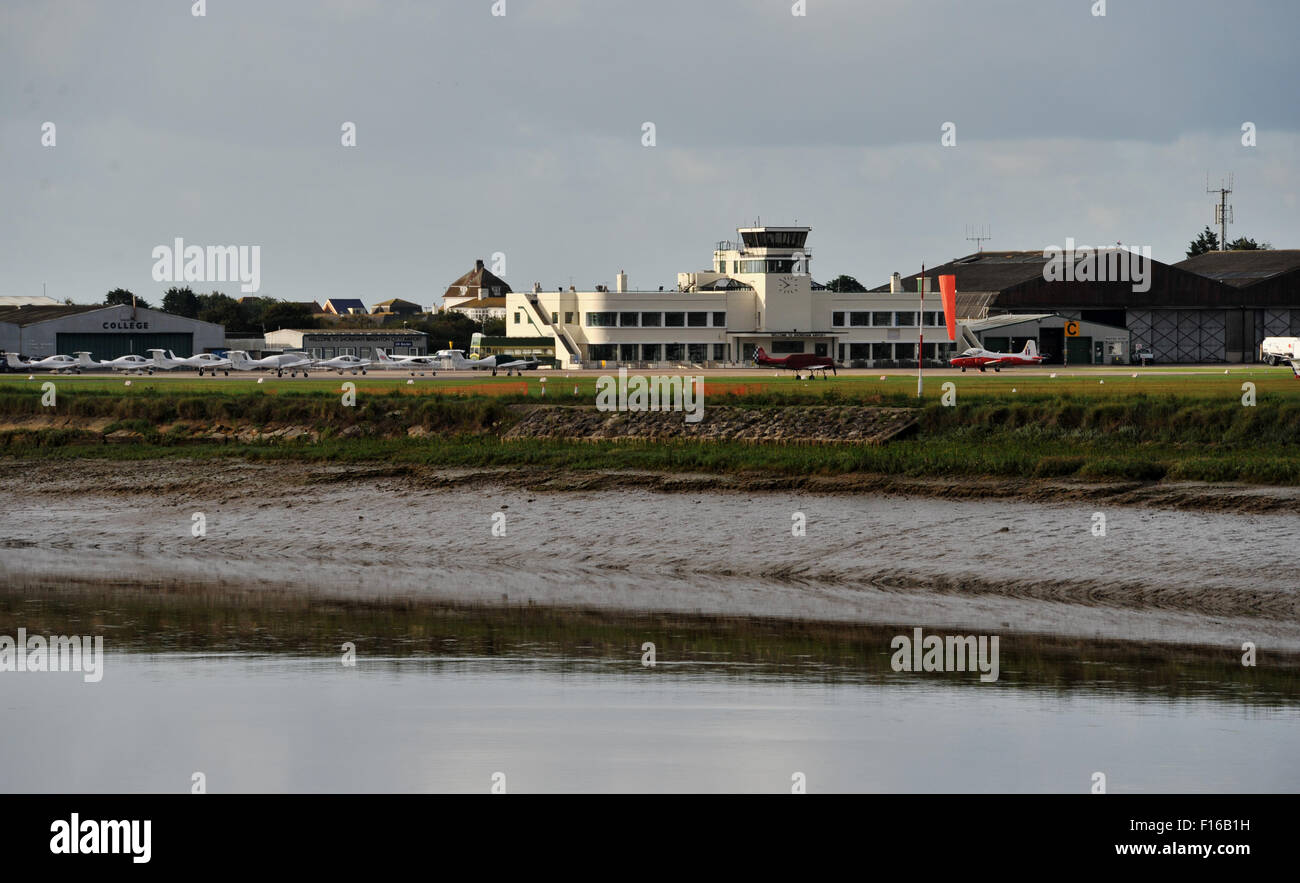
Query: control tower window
{"type": "Point", "coordinates": [774, 238]}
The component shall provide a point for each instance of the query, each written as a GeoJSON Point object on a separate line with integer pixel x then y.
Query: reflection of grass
{"type": "Point", "coordinates": [1201, 433]}
{"type": "Point", "coordinates": [204, 620]}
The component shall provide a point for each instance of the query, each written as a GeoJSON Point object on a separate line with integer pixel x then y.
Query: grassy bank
{"type": "Point", "coordinates": [1203, 433]}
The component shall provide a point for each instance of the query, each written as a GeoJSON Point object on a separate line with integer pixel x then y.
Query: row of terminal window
{"type": "Point", "coordinates": [657, 352]}
{"type": "Point", "coordinates": [692, 319]}
{"type": "Point", "coordinates": [893, 319]}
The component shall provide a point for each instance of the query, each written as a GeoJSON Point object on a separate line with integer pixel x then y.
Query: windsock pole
{"type": "Point", "coordinates": [920, 338]}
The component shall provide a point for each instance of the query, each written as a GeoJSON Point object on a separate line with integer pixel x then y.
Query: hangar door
{"type": "Point", "coordinates": [110, 346]}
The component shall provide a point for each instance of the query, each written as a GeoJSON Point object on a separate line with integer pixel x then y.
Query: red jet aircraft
{"type": "Point", "coordinates": [977, 357]}
{"type": "Point", "coordinates": [797, 362]}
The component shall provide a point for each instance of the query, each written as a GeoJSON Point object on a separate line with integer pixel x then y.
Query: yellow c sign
{"type": "Point", "coordinates": [1071, 329]}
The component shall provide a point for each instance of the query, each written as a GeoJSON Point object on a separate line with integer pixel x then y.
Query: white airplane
{"type": "Point", "coordinates": [121, 363]}
{"type": "Point", "coordinates": [385, 362]}
{"type": "Point", "coordinates": [278, 362]}
{"type": "Point", "coordinates": [49, 363]}
{"type": "Point", "coordinates": [203, 361]}
{"type": "Point", "coordinates": [343, 363]}
{"type": "Point", "coordinates": [494, 363]}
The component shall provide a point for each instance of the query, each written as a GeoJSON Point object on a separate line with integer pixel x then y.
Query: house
{"type": "Point", "coordinates": [345, 306]}
{"type": "Point", "coordinates": [396, 307]}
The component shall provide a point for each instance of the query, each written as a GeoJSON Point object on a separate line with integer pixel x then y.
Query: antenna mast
{"type": "Point", "coordinates": [1222, 211]}
{"type": "Point", "coordinates": [978, 235]}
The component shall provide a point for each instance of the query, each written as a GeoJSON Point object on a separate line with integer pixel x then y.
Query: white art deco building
{"type": "Point", "coordinates": [758, 292]}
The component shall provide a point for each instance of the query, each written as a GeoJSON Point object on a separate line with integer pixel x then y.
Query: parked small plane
{"type": "Point", "coordinates": [494, 363]}
{"type": "Point", "coordinates": [342, 363]}
{"type": "Point", "coordinates": [203, 362]}
{"type": "Point", "coordinates": [796, 362]}
{"type": "Point", "coordinates": [978, 357]}
{"type": "Point", "coordinates": [128, 363]}
{"type": "Point", "coordinates": [277, 362]}
{"type": "Point", "coordinates": [49, 363]}
{"type": "Point", "coordinates": [413, 364]}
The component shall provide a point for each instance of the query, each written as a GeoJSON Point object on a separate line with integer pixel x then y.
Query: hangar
{"type": "Point", "coordinates": [106, 332]}
{"type": "Point", "coordinates": [1216, 307]}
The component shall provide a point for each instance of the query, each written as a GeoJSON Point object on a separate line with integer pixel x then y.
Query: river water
{"type": "Point", "coordinates": [523, 654]}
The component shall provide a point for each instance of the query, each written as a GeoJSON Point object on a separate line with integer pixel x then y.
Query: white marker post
{"type": "Point", "coordinates": [920, 337]}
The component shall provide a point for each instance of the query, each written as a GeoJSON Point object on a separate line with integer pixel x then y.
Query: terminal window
{"type": "Point", "coordinates": [697, 320]}
{"type": "Point", "coordinates": [720, 320]}
{"type": "Point", "coordinates": [675, 320]}
{"type": "Point", "coordinates": [652, 320]}
{"type": "Point", "coordinates": [837, 320]}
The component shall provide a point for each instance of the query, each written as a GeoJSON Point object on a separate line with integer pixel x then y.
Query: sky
{"type": "Point", "coordinates": [523, 135]}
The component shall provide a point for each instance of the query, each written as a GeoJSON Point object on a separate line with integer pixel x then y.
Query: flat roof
{"type": "Point", "coordinates": [353, 332]}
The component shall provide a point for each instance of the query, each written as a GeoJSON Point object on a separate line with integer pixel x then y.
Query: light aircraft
{"type": "Point", "coordinates": [494, 363]}
{"type": "Point", "coordinates": [796, 362]}
{"type": "Point", "coordinates": [127, 363]}
{"type": "Point", "coordinates": [203, 362]}
{"type": "Point", "coordinates": [49, 363]}
{"type": "Point", "coordinates": [277, 362]}
{"type": "Point", "coordinates": [978, 357]}
{"type": "Point", "coordinates": [385, 362]}
{"type": "Point", "coordinates": [342, 363]}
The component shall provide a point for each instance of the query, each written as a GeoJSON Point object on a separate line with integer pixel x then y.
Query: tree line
{"type": "Point", "coordinates": [254, 316]}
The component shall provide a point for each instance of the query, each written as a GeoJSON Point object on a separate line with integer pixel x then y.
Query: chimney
{"type": "Point", "coordinates": [478, 264]}
{"type": "Point", "coordinates": [895, 284]}
{"type": "Point", "coordinates": [620, 281]}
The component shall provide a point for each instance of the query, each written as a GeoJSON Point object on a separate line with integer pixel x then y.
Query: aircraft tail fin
{"type": "Point", "coordinates": [1031, 348]}
{"type": "Point", "coordinates": [85, 361]}
{"type": "Point", "coordinates": [760, 353]}
{"type": "Point", "coordinates": [12, 360]}
{"type": "Point", "coordinates": [238, 358]}
{"type": "Point", "coordinates": [381, 356]}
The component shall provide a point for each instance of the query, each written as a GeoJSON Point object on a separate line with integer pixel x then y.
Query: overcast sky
{"type": "Point", "coordinates": [522, 134]}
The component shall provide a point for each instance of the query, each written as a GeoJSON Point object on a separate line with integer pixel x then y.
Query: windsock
{"type": "Point", "coordinates": [948, 288]}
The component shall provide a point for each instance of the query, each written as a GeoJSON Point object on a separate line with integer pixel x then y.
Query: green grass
{"type": "Point", "coordinates": [1182, 427]}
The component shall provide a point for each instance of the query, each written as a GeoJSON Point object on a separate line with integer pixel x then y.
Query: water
{"type": "Point", "coordinates": [302, 724]}
{"type": "Point", "coordinates": [522, 654]}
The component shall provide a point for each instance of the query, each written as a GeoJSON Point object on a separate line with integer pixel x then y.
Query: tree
{"type": "Point", "coordinates": [448, 326]}
{"type": "Point", "coordinates": [122, 297]}
{"type": "Point", "coordinates": [223, 310]}
{"type": "Point", "coordinates": [1208, 240]}
{"type": "Point", "coordinates": [1241, 243]}
{"type": "Point", "coordinates": [181, 302]}
{"type": "Point", "coordinates": [282, 314]}
{"type": "Point", "coordinates": [844, 283]}
{"type": "Point", "coordinates": [494, 327]}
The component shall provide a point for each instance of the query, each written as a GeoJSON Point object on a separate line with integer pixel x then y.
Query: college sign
{"type": "Point", "coordinates": [126, 325]}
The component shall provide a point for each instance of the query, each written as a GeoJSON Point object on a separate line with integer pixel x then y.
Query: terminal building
{"type": "Point", "coordinates": [106, 332]}
{"type": "Point", "coordinates": [758, 292]}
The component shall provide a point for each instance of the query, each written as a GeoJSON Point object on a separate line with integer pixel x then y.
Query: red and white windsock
{"type": "Point", "coordinates": [948, 288]}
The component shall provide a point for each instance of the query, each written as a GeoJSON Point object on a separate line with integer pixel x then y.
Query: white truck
{"type": "Point", "coordinates": [1279, 350]}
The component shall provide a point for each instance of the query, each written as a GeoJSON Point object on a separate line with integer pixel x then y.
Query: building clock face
{"type": "Point", "coordinates": [787, 283]}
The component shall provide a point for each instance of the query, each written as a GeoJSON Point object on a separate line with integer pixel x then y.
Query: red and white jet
{"type": "Point", "coordinates": [978, 357]}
